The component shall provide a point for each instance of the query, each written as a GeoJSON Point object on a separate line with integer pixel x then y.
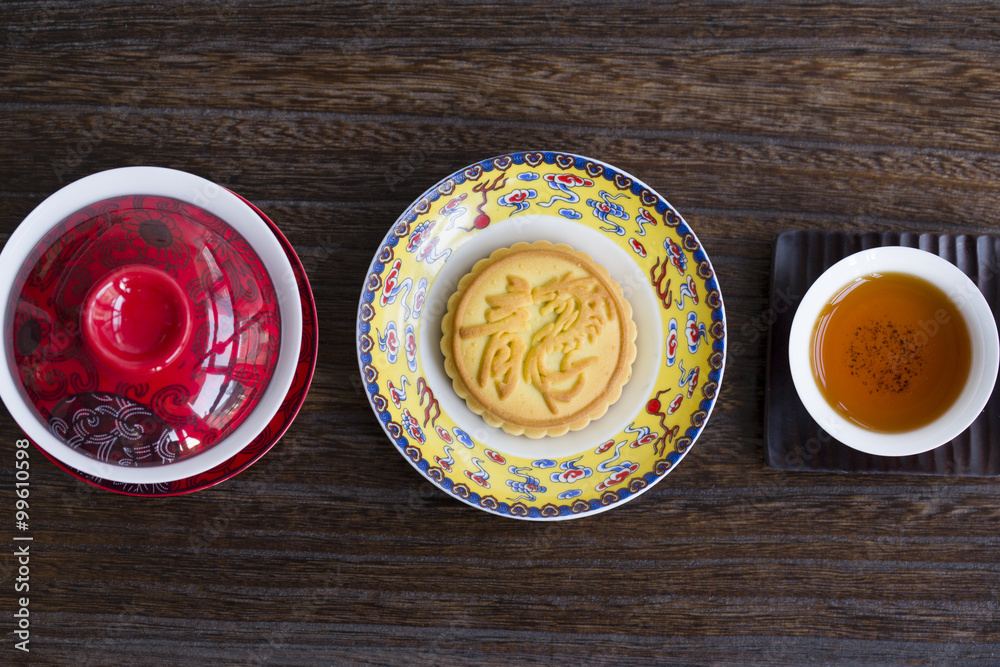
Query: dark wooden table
{"type": "Point", "coordinates": [750, 117]}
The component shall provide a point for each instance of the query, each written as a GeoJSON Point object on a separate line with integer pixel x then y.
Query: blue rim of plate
{"type": "Point", "coordinates": [400, 229]}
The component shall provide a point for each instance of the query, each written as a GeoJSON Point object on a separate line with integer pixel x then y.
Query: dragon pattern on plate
{"type": "Point", "coordinates": [589, 193]}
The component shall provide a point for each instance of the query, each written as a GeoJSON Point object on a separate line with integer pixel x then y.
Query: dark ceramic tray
{"type": "Point", "coordinates": [793, 441]}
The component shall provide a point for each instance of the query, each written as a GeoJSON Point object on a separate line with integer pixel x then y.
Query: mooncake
{"type": "Point", "coordinates": [538, 339]}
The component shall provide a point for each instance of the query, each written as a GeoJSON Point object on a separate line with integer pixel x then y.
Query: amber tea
{"type": "Point", "coordinates": [891, 352]}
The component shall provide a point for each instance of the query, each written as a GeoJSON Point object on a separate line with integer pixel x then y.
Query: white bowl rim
{"type": "Point", "coordinates": [971, 304]}
{"type": "Point", "coordinates": [215, 199]}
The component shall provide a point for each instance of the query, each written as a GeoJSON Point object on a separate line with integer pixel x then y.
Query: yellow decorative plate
{"type": "Point", "coordinates": [648, 249]}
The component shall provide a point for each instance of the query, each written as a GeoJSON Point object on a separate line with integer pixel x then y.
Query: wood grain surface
{"type": "Point", "coordinates": [749, 117]}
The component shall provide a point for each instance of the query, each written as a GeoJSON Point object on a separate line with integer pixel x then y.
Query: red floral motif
{"type": "Point", "coordinates": [49, 358]}
{"type": "Point", "coordinates": [156, 236]}
{"type": "Point", "coordinates": [32, 331]}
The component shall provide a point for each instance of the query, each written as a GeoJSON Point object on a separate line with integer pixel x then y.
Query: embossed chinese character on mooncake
{"type": "Point", "coordinates": [538, 339]}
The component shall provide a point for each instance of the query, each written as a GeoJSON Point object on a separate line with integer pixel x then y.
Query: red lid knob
{"type": "Point", "coordinates": [136, 318]}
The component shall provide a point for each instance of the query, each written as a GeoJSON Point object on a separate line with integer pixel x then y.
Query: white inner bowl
{"type": "Point", "coordinates": [970, 303]}
{"type": "Point", "coordinates": [212, 198]}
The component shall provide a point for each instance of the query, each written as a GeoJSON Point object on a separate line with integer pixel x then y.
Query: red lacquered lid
{"type": "Point", "coordinates": [143, 330]}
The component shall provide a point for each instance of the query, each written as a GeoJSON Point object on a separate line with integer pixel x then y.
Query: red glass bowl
{"type": "Point", "coordinates": [271, 434]}
{"type": "Point", "coordinates": [149, 337]}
